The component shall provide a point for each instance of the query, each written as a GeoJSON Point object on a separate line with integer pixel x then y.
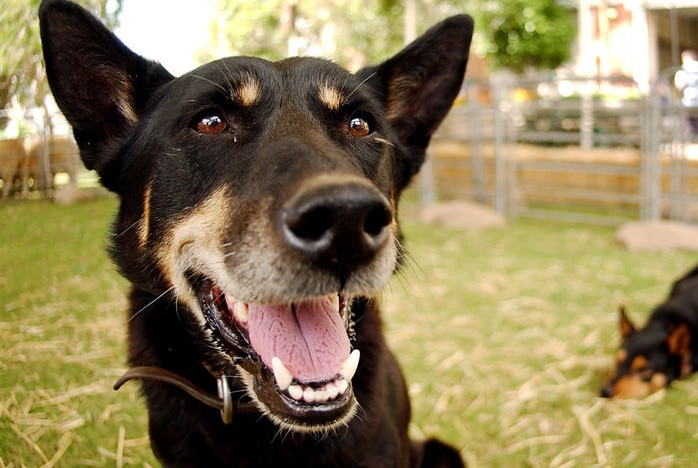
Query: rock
{"type": "Point", "coordinates": [69, 195]}
{"type": "Point", "coordinates": [658, 235]}
{"type": "Point", "coordinates": [462, 215]}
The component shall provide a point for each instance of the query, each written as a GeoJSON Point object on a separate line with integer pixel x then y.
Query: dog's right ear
{"type": "Point", "coordinates": [679, 344]}
{"type": "Point", "coordinates": [626, 326]}
{"type": "Point", "coordinates": [419, 84]}
{"type": "Point", "coordinates": [99, 84]}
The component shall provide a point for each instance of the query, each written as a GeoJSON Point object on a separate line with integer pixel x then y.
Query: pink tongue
{"type": "Point", "coordinates": [309, 338]}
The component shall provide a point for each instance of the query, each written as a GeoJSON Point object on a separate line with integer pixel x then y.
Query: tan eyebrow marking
{"type": "Point", "coordinates": [248, 92]}
{"type": "Point", "coordinates": [331, 97]}
{"type": "Point", "coordinates": [639, 363]}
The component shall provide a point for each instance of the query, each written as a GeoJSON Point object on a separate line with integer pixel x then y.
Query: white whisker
{"type": "Point", "coordinates": [142, 309]}
{"type": "Point", "coordinates": [203, 78]}
{"type": "Point", "coordinates": [116, 236]}
{"type": "Point", "coordinates": [362, 83]}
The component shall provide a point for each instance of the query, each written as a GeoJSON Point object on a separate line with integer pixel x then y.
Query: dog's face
{"type": "Point", "coordinates": [648, 359]}
{"type": "Point", "coordinates": [258, 197]}
{"type": "Point", "coordinates": [272, 209]}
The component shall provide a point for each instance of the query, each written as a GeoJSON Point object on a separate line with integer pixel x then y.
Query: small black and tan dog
{"type": "Point", "coordinates": [257, 225]}
{"type": "Point", "coordinates": [665, 349]}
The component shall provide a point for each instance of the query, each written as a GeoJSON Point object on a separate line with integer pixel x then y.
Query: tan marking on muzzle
{"type": "Point", "coordinates": [194, 243]}
{"type": "Point", "coordinates": [630, 386]}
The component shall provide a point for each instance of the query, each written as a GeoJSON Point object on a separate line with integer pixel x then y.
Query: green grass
{"type": "Point", "coordinates": [62, 342]}
{"type": "Point", "coordinates": [505, 336]}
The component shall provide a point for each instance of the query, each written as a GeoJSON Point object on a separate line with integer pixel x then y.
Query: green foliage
{"type": "Point", "coordinates": [348, 31]}
{"type": "Point", "coordinates": [518, 35]}
{"type": "Point", "coordinates": [22, 72]}
{"type": "Point", "coordinates": [526, 34]}
{"type": "Point", "coordinates": [20, 59]}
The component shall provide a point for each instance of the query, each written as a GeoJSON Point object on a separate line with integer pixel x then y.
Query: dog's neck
{"type": "Point", "coordinates": [222, 402]}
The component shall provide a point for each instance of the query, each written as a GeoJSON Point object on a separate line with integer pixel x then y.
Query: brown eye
{"type": "Point", "coordinates": [358, 127]}
{"type": "Point", "coordinates": [211, 125]}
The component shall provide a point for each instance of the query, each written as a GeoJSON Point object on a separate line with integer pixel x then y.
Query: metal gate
{"type": "Point", "coordinates": [585, 149]}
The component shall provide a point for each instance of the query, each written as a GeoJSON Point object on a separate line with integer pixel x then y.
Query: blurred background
{"type": "Point", "coordinates": [599, 82]}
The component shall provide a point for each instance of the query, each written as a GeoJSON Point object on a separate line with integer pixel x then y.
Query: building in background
{"type": "Point", "coordinates": [634, 38]}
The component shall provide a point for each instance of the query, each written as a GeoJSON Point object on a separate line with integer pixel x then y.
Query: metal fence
{"type": "Point", "coordinates": [38, 161]}
{"type": "Point", "coordinates": [587, 149]}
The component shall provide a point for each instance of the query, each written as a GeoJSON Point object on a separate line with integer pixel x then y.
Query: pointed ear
{"type": "Point", "coordinates": [626, 326]}
{"type": "Point", "coordinates": [419, 84]}
{"type": "Point", "coordinates": [679, 344]}
{"type": "Point", "coordinates": [99, 84]}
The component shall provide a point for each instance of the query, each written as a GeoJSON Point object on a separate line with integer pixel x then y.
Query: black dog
{"type": "Point", "coordinates": [257, 225]}
{"type": "Point", "coordinates": [664, 350]}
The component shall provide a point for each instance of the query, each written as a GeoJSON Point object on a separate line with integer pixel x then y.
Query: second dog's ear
{"type": "Point", "coordinates": [679, 344]}
{"type": "Point", "coordinates": [626, 326]}
{"type": "Point", "coordinates": [99, 84]}
{"type": "Point", "coordinates": [419, 84]}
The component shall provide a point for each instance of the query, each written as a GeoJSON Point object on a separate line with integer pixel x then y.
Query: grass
{"type": "Point", "coordinates": [62, 342]}
{"type": "Point", "coordinates": [505, 336]}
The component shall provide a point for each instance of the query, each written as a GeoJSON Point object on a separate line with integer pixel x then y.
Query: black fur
{"type": "Point", "coordinates": [272, 183]}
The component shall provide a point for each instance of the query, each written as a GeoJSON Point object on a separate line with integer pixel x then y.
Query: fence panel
{"type": "Point", "coordinates": [586, 149]}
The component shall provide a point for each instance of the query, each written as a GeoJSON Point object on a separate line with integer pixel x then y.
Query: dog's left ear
{"type": "Point", "coordinates": [99, 84]}
{"type": "Point", "coordinates": [626, 325]}
{"type": "Point", "coordinates": [420, 83]}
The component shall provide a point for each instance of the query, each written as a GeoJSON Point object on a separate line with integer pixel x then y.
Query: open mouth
{"type": "Point", "coordinates": [299, 355]}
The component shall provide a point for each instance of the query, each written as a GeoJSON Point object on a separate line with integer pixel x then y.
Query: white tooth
{"type": "Point", "coordinates": [342, 385]}
{"type": "Point", "coordinates": [309, 395]}
{"type": "Point", "coordinates": [332, 391]}
{"type": "Point", "coordinates": [241, 312]}
{"type": "Point", "coordinates": [283, 376]}
{"type": "Point", "coordinates": [321, 395]}
{"type": "Point", "coordinates": [296, 392]}
{"type": "Point", "coordinates": [334, 299]}
{"type": "Point", "coordinates": [348, 369]}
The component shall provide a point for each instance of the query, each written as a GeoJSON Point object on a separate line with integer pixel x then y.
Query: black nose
{"type": "Point", "coordinates": [607, 391]}
{"type": "Point", "coordinates": [337, 224]}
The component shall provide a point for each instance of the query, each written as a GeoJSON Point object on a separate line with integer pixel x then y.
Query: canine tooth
{"type": "Point", "coordinates": [241, 312]}
{"type": "Point", "coordinates": [334, 299]}
{"type": "Point", "coordinates": [296, 392]}
{"type": "Point", "coordinates": [342, 385]}
{"type": "Point", "coordinates": [281, 373]}
{"type": "Point", "coordinates": [348, 369]}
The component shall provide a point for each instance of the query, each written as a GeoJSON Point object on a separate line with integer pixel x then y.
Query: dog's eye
{"type": "Point", "coordinates": [359, 127]}
{"type": "Point", "coordinates": [211, 125]}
